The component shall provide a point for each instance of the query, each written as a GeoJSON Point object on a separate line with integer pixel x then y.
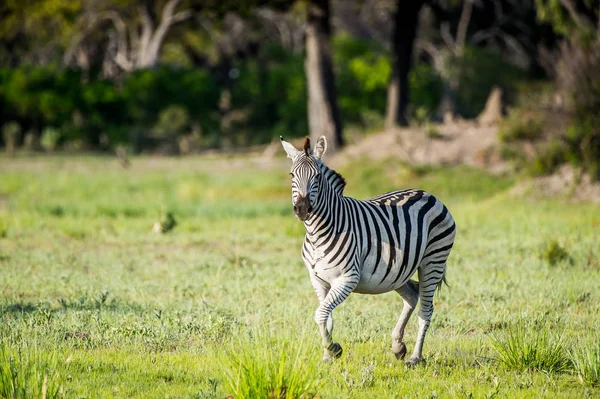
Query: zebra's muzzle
{"type": "Point", "coordinates": [302, 208]}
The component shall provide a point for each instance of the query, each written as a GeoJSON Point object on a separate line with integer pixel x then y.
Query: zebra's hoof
{"type": "Point", "coordinates": [335, 350]}
{"type": "Point", "coordinates": [414, 361]}
{"type": "Point", "coordinates": [399, 350]}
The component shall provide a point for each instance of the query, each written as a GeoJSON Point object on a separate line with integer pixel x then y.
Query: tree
{"type": "Point", "coordinates": [406, 18]}
{"type": "Point", "coordinates": [35, 31]}
{"type": "Point", "coordinates": [323, 112]}
{"type": "Point", "coordinates": [135, 38]}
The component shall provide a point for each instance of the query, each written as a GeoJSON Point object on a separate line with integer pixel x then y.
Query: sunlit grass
{"type": "Point", "coordinates": [531, 347]}
{"type": "Point", "coordinates": [28, 372]}
{"type": "Point", "coordinates": [223, 301]}
{"type": "Point", "coordinates": [265, 365]}
{"type": "Point", "coordinates": [586, 363]}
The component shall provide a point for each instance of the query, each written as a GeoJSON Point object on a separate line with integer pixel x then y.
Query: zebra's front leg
{"type": "Point", "coordinates": [410, 295]}
{"type": "Point", "coordinates": [338, 292]}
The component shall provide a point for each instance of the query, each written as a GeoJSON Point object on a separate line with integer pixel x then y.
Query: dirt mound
{"type": "Point", "coordinates": [468, 143]}
{"type": "Point", "coordinates": [566, 183]}
{"type": "Point", "coordinates": [461, 142]}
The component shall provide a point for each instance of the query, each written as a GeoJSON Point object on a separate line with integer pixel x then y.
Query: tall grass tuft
{"type": "Point", "coordinates": [27, 372]}
{"type": "Point", "coordinates": [266, 366]}
{"type": "Point", "coordinates": [586, 362]}
{"type": "Point", "coordinates": [530, 347]}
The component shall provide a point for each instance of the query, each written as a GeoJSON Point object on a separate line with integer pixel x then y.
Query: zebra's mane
{"type": "Point", "coordinates": [337, 181]}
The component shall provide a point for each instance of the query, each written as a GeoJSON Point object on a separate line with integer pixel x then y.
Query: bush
{"type": "Point", "coordinates": [520, 125]}
{"type": "Point", "coordinates": [11, 132]}
{"type": "Point", "coordinates": [50, 139]}
{"type": "Point", "coordinates": [553, 253]}
{"type": "Point", "coordinates": [172, 121]}
{"type": "Point", "coordinates": [549, 158]}
{"type": "Point", "coordinates": [477, 72]}
{"type": "Point", "coordinates": [579, 79]}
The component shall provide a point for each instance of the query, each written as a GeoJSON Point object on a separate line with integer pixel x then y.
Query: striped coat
{"type": "Point", "coordinates": [370, 247]}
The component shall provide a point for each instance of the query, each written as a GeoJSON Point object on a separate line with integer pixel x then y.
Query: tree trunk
{"type": "Point", "coordinates": [406, 19]}
{"type": "Point", "coordinates": [323, 112]}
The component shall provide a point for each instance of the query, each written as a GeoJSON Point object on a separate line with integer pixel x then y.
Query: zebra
{"type": "Point", "coordinates": [372, 246]}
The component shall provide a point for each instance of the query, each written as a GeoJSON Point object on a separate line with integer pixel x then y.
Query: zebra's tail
{"type": "Point", "coordinates": [442, 281]}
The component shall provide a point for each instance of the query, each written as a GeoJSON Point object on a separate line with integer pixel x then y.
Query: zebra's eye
{"type": "Point", "coordinates": [291, 174]}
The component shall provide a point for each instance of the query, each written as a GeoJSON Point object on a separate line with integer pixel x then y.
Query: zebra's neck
{"type": "Point", "coordinates": [330, 201]}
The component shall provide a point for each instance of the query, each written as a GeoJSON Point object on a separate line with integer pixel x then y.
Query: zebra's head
{"type": "Point", "coordinates": [306, 175]}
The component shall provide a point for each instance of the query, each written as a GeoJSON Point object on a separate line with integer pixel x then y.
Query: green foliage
{"type": "Point", "coordinates": [520, 124]}
{"type": "Point", "coordinates": [477, 72]}
{"type": "Point", "coordinates": [552, 12]}
{"type": "Point", "coordinates": [578, 75]}
{"type": "Point", "coordinates": [426, 88]}
{"type": "Point", "coordinates": [556, 14]}
{"type": "Point", "coordinates": [552, 252]}
{"type": "Point", "coordinates": [549, 158]}
{"type": "Point", "coordinates": [530, 347]}
{"type": "Point", "coordinates": [271, 93]}
{"type": "Point", "coordinates": [172, 121]}
{"type": "Point", "coordinates": [586, 362]}
{"type": "Point", "coordinates": [362, 71]}
{"type": "Point", "coordinates": [88, 109]}
{"type": "Point", "coordinates": [50, 138]}
{"type": "Point", "coordinates": [583, 141]}
{"type": "Point", "coordinates": [166, 223]}
{"type": "Point", "coordinates": [28, 372]}
{"type": "Point", "coordinates": [11, 131]}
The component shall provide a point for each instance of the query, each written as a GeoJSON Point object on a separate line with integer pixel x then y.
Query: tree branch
{"type": "Point", "coordinates": [463, 25]}
{"type": "Point", "coordinates": [571, 7]}
{"type": "Point", "coordinates": [167, 20]}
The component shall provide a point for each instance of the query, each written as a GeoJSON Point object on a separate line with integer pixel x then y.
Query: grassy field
{"type": "Point", "coordinates": [98, 305]}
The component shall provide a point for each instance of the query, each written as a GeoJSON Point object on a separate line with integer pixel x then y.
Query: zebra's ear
{"type": "Point", "coordinates": [321, 147]}
{"type": "Point", "coordinates": [290, 150]}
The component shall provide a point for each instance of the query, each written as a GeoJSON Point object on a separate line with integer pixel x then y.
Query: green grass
{"type": "Point", "coordinates": [272, 364]}
{"type": "Point", "coordinates": [531, 347]}
{"type": "Point", "coordinates": [222, 302]}
{"type": "Point", "coordinates": [586, 362]}
{"type": "Point", "coordinates": [26, 372]}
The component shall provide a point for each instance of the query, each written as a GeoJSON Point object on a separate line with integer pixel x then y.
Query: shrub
{"type": "Point", "coordinates": [50, 139]}
{"type": "Point", "coordinates": [520, 125]}
{"type": "Point", "coordinates": [11, 132]}
{"type": "Point", "coordinates": [531, 347]}
{"type": "Point", "coordinates": [586, 362]}
{"type": "Point", "coordinates": [27, 372]}
{"type": "Point", "coordinates": [172, 121]}
{"type": "Point", "coordinates": [166, 223]}
{"type": "Point", "coordinates": [579, 79]}
{"type": "Point", "coordinates": [477, 72]}
{"type": "Point", "coordinates": [549, 158]}
{"type": "Point", "coordinates": [553, 253]}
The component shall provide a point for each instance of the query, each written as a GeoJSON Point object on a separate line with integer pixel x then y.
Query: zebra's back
{"type": "Point", "coordinates": [396, 233]}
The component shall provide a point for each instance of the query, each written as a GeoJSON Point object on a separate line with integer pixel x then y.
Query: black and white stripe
{"type": "Point", "coordinates": [371, 247]}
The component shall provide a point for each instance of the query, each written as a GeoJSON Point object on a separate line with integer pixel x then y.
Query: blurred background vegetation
{"type": "Point", "coordinates": [180, 76]}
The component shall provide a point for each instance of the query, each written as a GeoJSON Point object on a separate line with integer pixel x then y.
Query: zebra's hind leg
{"type": "Point", "coordinates": [429, 278]}
{"type": "Point", "coordinates": [410, 295]}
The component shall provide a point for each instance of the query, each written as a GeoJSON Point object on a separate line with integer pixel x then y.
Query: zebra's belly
{"type": "Point", "coordinates": [374, 285]}
{"type": "Point", "coordinates": [380, 278]}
